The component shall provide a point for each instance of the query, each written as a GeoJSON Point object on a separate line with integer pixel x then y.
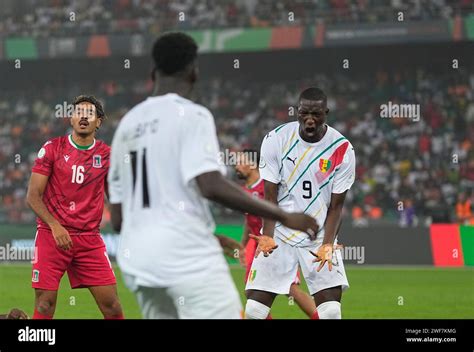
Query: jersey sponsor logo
{"type": "Point", "coordinates": [41, 153]}
{"type": "Point", "coordinates": [262, 163]}
{"type": "Point", "coordinates": [324, 165]}
{"type": "Point", "coordinates": [36, 275]}
{"type": "Point", "coordinates": [66, 157]}
{"type": "Point", "coordinates": [97, 161]}
{"type": "Point", "coordinates": [292, 160]}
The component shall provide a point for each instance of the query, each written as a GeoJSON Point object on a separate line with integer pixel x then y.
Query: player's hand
{"type": "Point", "coordinates": [61, 236]}
{"type": "Point", "coordinates": [324, 254]}
{"type": "Point", "coordinates": [265, 244]}
{"type": "Point", "coordinates": [302, 222]}
{"type": "Point", "coordinates": [17, 314]}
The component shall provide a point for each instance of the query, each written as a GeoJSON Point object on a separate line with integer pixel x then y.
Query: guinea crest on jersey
{"type": "Point", "coordinates": [307, 174]}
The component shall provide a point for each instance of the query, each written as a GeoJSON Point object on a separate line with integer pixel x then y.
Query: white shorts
{"type": "Point", "coordinates": [211, 297]}
{"type": "Point", "coordinates": [277, 272]}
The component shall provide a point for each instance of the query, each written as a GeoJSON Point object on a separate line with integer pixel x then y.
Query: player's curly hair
{"type": "Point", "coordinates": [173, 52]}
{"type": "Point", "coordinates": [99, 108]}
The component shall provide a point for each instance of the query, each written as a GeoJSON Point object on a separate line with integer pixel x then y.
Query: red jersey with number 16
{"type": "Point", "coordinates": [74, 194]}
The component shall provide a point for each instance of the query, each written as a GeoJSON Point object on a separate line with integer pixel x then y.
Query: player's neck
{"type": "Point", "coordinates": [82, 141]}
{"type": "Point", "coordinates": [252, 179]}
{"type": "Point", "coordinates": [170, 85]}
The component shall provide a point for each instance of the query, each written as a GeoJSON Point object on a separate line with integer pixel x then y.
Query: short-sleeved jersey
{"type": "Point", "coordinates": [74, 194]}
{"type": "Point", "coordinates": [158, 150]}
{"type": "Point", "coordinates": [254, 222]}
{"type": "Point", "coordinates": [307, 174]}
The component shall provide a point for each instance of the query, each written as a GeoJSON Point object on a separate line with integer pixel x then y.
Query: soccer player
{"type": "Point", "coordinates": [307, 166]}
{"type": "Point", "coordinates": [164, 165]}
{"type": "Point", "coordinates": [247, 169]}
{"type": "Point", "coordinates": [66, 191]}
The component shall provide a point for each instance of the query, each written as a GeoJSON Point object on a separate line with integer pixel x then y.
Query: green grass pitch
{"type": "Point", "coordinates": [375, 292]}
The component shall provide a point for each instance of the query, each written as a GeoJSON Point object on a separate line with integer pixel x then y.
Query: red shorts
{"type": "Point", "coordinates": [87, 263]}
{"type": "Point", "coordinates": [250, 249]}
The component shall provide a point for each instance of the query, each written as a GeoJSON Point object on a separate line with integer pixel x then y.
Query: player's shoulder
{"type": "Point", "coordinates": [336, 137]}
{"type": "Point", "coordinates": [51, 145]}
{"type": "Point", "coordinates": [102, 146]}
{"type": "Point", "coordinates": [55, 141]}
{"type": "Point", "coordinates": [282, 133]}
{"type": "Point", "coordinates": [192, 109]}
{"type": "Point", "coordinates": [172, 101]}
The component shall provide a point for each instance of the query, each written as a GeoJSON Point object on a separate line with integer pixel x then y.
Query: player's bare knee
{"type": "Point", "coordinates": [329, 310]}
{"type": "Point", "coordinates": [111, 307]}
{"type": "Point", "coordinates": [46, 306]}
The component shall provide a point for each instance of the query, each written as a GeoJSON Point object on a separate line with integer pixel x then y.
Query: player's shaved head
{"type": "Point", "coordinates": [314, 94]}
{"type": "Point", "coordinates": [174, 54]}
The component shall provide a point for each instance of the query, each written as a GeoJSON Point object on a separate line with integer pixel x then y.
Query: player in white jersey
{"type": "Point", "coordinates": [164, 163]}
{"type": "Point", "coordinates": [307, 166]}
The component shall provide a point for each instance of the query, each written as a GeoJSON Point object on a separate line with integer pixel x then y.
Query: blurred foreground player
{"type": "Point", "coordinates": [247, 170]}
{"type": "Point", "coordinates": [164, 165]}
{"type": "Point", "coordinates": [307, 166]}
{"type": "Point", "coordinates": [66, 191]}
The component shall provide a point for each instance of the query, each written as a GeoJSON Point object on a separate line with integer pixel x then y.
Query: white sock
{"type": "Point", "coordinates": [256, 310]}
{"type": "Point", "coordinates": [329, 310]}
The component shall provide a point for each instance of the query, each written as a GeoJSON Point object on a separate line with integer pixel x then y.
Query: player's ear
{"type": "Point", "coordinates": [99, 123]}
{"type": "Point", "coordinates": [194, 73]}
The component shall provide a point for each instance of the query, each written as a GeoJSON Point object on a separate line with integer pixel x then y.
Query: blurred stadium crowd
{"type": "Point", "coordinates": [72, 17]}
{"type": "Point", "coordinates": [407, 171]}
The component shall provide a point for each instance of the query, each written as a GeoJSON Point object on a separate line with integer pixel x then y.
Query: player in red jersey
{"type": "Point", "coordinates": [66, 191]}
{"type": "Point", "coordinates": [247, 169]}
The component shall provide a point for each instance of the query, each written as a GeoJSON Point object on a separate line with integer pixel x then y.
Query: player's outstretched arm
{"type": "Point", "coordinates": [232, 248]}
{"type": "Point", "coordinates": [271, 194]}
{"type": "Point", "coordinates": [34, 198]}
{"type": "Point", "coordinates": [217, 188]}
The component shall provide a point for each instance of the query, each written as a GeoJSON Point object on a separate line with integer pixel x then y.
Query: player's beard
{"type": "Point", "coordinates": [85, 134]}
{"type": "Point", "coordinates": [241, 176]}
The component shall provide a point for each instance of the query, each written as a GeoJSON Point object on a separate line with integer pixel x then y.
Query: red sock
{"type": "Point", "coordinates": [269, 317]}
{"type": "Point", "coordinates": [315, 315]}
{"type": "Point", "coordinates": [38, 315]}
{"type": "Point", "coordinates": [115, 317]}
